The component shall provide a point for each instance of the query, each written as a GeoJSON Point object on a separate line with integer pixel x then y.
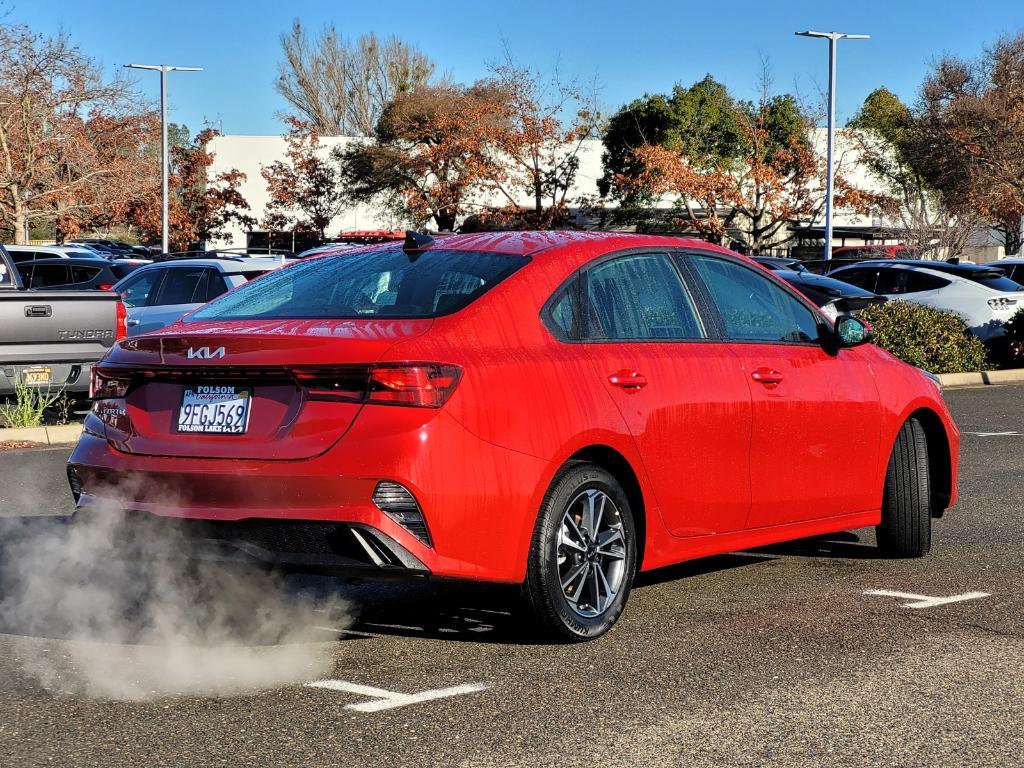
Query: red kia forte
{"type": "Point", "coordinates": [558, 410]}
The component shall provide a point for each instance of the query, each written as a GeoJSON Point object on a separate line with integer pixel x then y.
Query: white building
{"type": "Point", "coordinates": [250, 154]}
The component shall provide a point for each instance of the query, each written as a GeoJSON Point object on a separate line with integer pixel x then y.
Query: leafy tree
{"type": "Point", "coordinates": [72, 144]}
{"type": "Point", "coordinates": [971, 146]}
{"type": "Point", "coordinates": [304, 187]}
{"type": "Point", "coordinates": [342, 87]}
{"type": "Point", "coordinates": [730, 168]}
{"type": "Point", "coordinates": [538, 152]}
{"type": "Point", "coordinates": [200, 208]}
{"type": "Point", "coordinates": [434, 150]}
{"type": "Point", "coordinates": [888, 139]}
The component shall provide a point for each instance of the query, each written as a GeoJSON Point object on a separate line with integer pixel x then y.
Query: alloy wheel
{"type": "Point", "coordinates": [591, 553]}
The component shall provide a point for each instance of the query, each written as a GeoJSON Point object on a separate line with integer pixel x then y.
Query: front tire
{"type": "Point", "coordinates": [906, 527]}
{"type": "Point", "coordinates": [582, 555]}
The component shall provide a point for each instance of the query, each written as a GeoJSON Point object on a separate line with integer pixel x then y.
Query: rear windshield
{"type": "Point", "coordinates": [993, 280]}
{"type": "Point", "coordinates": [386, 283]}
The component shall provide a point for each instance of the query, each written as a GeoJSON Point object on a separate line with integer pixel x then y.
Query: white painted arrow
{"type": "Point", "coordinates": [392, 699]}
{"type": "Point", "coordinates": [925, 601]}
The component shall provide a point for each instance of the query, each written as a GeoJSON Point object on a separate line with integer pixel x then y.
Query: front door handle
{"type": "Point", "coordinates": [131, 323]}
{"type": "Point", "coordinates": [627, 379]}
{"type": "Point", "coordinates": [767, 376]}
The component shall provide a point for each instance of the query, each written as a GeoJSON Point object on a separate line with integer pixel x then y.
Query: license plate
{"type": "Point", "coordinates": [36, 375]}
{"type": "Point", "coordinates": [217, 409]}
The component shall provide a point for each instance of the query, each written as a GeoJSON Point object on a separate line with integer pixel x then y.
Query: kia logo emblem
{"type": "Point", "coordinates": [205, 353]}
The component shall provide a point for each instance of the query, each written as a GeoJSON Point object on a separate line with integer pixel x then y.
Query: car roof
{"type": "Point", "coordinates": [67, 261]}
{"type": "Point", "coordinates": [228, 266]}
{"type": "Point", "coordinates": [823, 282]}
{"type": "Point", "coordinates": [938, 266]}
{"type": "Point", "coordinates": [550, 243]}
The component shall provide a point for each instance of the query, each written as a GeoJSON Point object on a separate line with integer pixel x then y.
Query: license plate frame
{"type": "Point", "coordinates": [37, 375]}
{"type": "Point", "coordinates": [214, 421]}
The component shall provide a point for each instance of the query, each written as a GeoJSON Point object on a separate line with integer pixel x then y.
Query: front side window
{"type": "Point", "coordinates": [751, 306]}
{"type": "Point", "coordinates": [893, 282]}
{"type": "Point", "coordinates": [135, 293]}
{"type": "Point", "coordinates": [383, 283]}
{"type": "Point", "coordinates": [639, 297]}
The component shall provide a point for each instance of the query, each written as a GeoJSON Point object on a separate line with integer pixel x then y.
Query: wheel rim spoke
{"type": "Point", "coordinates": [591, 546]}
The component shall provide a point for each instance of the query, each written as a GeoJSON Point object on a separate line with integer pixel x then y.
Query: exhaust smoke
{"type": "Point", "coordinates": [107, 609]}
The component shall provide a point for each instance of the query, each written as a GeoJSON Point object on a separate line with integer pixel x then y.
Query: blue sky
{"type": "Point", "coordinates": [631, 48]}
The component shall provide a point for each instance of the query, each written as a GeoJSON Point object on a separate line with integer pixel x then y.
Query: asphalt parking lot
{"type": "Point", "coordinates": [782, 656]}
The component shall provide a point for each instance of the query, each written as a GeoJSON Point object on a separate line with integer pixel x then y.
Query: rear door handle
{"type": "Point", "coordinates": [767, 376]}
{"type": "Point", "coordinates": [627, 379]}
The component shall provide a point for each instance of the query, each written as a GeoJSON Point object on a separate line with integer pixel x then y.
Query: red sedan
{"type": "Point", "coordinates": [558, 410]}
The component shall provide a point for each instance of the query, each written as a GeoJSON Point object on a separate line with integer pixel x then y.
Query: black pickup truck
{"type": "Point", "coordinates": [50, 339]}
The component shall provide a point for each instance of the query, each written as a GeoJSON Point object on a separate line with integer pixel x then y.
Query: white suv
{"type": "Point", "coordinates": [21, 253]}
{"type": "Point", "coordinates": [981, 294]}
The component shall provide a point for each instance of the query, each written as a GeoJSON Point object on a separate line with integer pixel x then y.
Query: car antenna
{"type": "Point", "coordinates": [416, 241]}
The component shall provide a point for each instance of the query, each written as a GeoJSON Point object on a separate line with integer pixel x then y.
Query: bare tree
{"type": "Point", "coordinates": [342, 87]}
{"type": "Point", "coordinates": [72, 144]}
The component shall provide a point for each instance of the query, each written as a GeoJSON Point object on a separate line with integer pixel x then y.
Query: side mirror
{"type": "Point", "coordinates": [850, 332]}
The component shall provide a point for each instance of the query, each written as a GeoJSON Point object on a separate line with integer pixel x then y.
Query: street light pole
{"type": "Point", "coordinates": [833, 38]}
{"type": "Point", "coordinates": [163, 69]}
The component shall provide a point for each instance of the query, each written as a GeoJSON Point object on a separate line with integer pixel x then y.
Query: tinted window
{"type": "Point", "coordinates": [83, 274]}
{"type": "Point", "coordinates": [135, 293]}
{"type": "Point", "coordinates": [898, 281]}
{"type": "Point", "coordinates": [123, 270]}
{"type": "Point", "coordinates": [183, 285]}
{"type": "Point", "coordinates": [862, 278]}
{"type": "Point", "coordinates": [639, 297]}
{"type": "Point", "coordinates": [385, 282]}
{"type": "Point", "coordinates": [751, 306]}
{"type": "Point", "coordinates": [563, 314]}
{"type": "Point", "coordinates": [49, 275]}
{"type": "Point", "coordinates": [18, 256]}
{"type": "Point", "coordinates": [215, 286]}
{"type": "Point", "coordinates": [996, 282]}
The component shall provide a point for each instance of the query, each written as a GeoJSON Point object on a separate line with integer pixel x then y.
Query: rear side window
{"type": "Point", "coordinates": [384, 282]}
{"type": "Point", "coordinates": [183, 285]}
{"type": "Point", "coordinates": [215, 286]}
{"type": "Point", "coordinates": [751, 306]}
{"type": "Point", "coordinates": [83, 274]}
{"type": "Point", "coordinates": [893, 282]}
{"type": "Point", "coordinates": [49, 276]}
{"type": "Point", "coordinates": [997, 282]}
{"type": "Point", "coordinates": [639, 297]}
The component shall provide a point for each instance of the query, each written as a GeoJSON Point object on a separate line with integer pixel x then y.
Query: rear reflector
{"type": "Point", "coordinates": [396, 501]}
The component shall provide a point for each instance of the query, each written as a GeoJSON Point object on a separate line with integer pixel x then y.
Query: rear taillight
{"type": "Point", "coordinates": [122, 321]}
{"type": "Point", "coordinates": [108, 385]}
{"type": "Point", "coordinates": [422, 385]}
{"type": "Point", "coordinates": [108, 287]}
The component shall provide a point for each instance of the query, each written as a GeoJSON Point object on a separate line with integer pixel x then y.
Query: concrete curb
{"type": "Point", "coordinates": [65, 434]}
{"type": "Point", "coordinates": [981, 378]}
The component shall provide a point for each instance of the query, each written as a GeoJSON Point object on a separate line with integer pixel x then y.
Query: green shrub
{"type": "Point", "coordinates": [1014, 328]}
{"type": "Point", "coordinates": [929, 338]}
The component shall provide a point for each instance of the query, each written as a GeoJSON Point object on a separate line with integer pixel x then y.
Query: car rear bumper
{"type": "Point", "coordinates": [479, 501]}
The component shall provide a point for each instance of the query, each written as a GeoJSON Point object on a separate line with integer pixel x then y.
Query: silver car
{"type": "Point", "coordinates": [158, 294]}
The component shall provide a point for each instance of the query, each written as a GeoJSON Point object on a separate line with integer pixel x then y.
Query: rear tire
{"type": "Point", "coordinates": [906, 527]}
{"type": "Point", "coordinates": [582, 556]}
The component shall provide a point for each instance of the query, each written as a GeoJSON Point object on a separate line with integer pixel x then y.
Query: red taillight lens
{"type": "Point", "coordinates": [422, 385]}
{"type": "Point", "coordinates": [425, 385]}
{"type": "Point", "coordinates": [105, 385]}
{"type": "Point", "coordinates": [105, 287]}
{"type": "Point", "coordinates": [122, 321]}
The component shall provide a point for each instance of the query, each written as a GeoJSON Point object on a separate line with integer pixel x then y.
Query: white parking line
{"type": "Point", "coordinates": [924, 601]}
{"type": "Point", "coordinates": [995, 434]}
{"type": "Point", "coordinates": [392, 699]}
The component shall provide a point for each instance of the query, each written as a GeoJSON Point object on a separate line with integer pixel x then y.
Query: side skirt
{"type": "Point", "coordinates": [692, 547]}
